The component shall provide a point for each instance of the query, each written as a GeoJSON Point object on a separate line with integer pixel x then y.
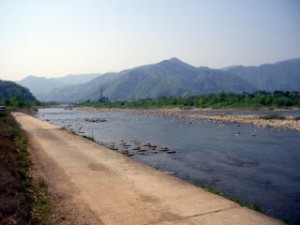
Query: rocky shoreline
{"type": "Point", "coordinates": [289, 123]}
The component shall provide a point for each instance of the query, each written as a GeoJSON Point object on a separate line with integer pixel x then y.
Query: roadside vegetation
{"type": "Point", "coordinates": [261, 99]}
{"type": "Point", "coordinates": [22, 201]}
{"type": "Point", "coordinates": [15, 189]}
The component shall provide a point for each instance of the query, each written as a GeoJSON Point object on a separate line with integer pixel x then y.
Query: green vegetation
{"type": "Point", "coordinates": [273, 117]}
{"type": "Point", "coordinates": [297, 118]}
{"type": "Point", "coordinates": [15, 185]}
{"type": "Point", "coordinates": [9, 89]}
{"type": "Point", "coordinates": [277, 99]}
{"type": "Point", "coordinates": [252, 205]}
{"type": "Point", "coordinates": [20, 196]}
{"type": "Point", "coordinates": [91, 138]}
{"type": "Point", "coordinates": [18, 101]}
{"type": "Point", "coordinates": [41, 204]}
{"type": "Point", "coordinates": [12, 94]}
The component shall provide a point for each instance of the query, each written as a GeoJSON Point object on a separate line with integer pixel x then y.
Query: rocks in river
{"type": "Point", "coordinates": [142, 150]}
{"type": "Point", "coordinates": [148, 148]}
{"type": "Point", "coordinates": [126, 152]}
{"type": "Point", "coordinates": [95, 120]}
{"type": "Point", "coordinates": [167, 150]}
{"type": "Point", "coordinates": [113, 147]}
{"type": "Point", "coordinates": [164, 149]}
{"type": "Point", "coordinates": [148, 144]}
{"type": "Point", "coordinates": [171, 151]}
{"type": "Point", "coordinates": [136, 148]}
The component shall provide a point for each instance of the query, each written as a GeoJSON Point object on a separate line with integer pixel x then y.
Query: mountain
{"type": "Point", "coordinates": [10, 89]}
{"type": "Point", "coordinates": [284, 75]}
{"type": "Point", "coordinates": [41, 87]}
{"type": "Point", "coordinates": [167, 78]}
{"type": "Point", "coordinates": [76, 79]}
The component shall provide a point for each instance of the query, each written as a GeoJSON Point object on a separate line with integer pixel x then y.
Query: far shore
{"type": "Point", "coordinates": [288, 123]}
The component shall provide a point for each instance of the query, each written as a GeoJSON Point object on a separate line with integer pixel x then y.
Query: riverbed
{"type": "Point", "coordinates": [258, 166]}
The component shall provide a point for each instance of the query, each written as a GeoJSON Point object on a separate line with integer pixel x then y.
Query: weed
{"type": "Point", "coordinates": [297, 118]}
{"type": "Point", "coordinates": [22, 172]}
{"type": "Point", "coordinates": [287, 221]}
{"type": "Point", "coordinates": [43, 184]}
{"type": "Point", "coordinates": [16, 157]}
{"type": "Point", "coordinates": [186, 107]}
{"type": "Point", "coordinates": [255, 206]}
{"type": "Point", "coordinates": [273, 117]}
{"type": "Point", "coordinates": [252, 205]}
{"type": "Point", "coordinates": [42, 206]}
{"type": "Point", "coordinates": [89, 138]}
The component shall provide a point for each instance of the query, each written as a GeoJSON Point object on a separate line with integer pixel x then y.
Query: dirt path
{"type": "Point", "coordinates": [100, 186]}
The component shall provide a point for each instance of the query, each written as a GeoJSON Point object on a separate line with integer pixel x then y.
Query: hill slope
{"type": "Point", "coordinates": [167, 78]}
{"type": "Point", "coordinates": [10, 89]}
{"type": "Point", "coordinates": [284, 75]}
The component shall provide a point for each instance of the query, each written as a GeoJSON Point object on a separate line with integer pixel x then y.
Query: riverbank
{"type": "Point", "coordinates": [114, 189]}
{"type": "Point", "coordinates": [15, 201]}
{"type": "Point", "coordinates": [288, 122]}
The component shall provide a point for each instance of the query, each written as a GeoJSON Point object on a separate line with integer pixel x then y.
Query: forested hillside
{"type": "Point", "coordinates": [14, 94]}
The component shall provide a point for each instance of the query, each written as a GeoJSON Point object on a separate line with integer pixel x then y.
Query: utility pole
{"type": "Point", "coordinates": [101, 93]}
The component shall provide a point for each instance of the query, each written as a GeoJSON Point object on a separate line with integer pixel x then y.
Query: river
{"type": "Point", "coordinates": [257, 166]}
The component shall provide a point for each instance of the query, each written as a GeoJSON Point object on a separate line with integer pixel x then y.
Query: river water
{"type": "Point", "coordinates": [258, 166]}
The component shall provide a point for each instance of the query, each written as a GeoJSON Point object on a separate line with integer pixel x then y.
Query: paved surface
{"type": "Point", "coordinates": [117, 190]}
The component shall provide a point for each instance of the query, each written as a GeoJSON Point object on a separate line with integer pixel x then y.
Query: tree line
{"type": "Point", "coordinates": [277, 99]}
{"type": "Point", "coordinates": [18, 101]}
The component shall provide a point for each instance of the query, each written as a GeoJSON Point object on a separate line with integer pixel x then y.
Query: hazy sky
{"type": "Point", "coordinates": [59, 37]}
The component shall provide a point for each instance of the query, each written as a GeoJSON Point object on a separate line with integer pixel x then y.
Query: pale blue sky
{"type": "Point", "coordinates": [59, 37]}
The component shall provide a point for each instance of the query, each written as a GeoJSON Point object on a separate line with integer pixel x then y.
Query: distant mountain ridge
{"type": "Point", "coordinates": [167, 78]}
{"type": "Point", "coordinates": [41, 86]}
{"type": "Point", "coordinates": [176, 78]}
{"type": "Point", "coordinates": [284, 75]}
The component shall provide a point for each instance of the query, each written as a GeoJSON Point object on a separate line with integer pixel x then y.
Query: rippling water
{"type": "Point", "coordinates": [260, 166]}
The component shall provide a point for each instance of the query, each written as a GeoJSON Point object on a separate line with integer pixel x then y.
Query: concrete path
{"type": "Point", "coordinates": [117, 190]}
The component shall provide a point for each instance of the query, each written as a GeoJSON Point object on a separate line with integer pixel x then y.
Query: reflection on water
{"type": "Point", "coordinates": [256, 165]}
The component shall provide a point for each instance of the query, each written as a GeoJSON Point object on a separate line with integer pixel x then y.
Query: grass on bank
{"type": "Point", "coordinates": [273, 117]}
{"type": "Point", "coordinates": [252, 205]}
{"type": "Point", "coordinates": [91, 138]}
{"type": "Point", "coordinates": [22, 202]}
